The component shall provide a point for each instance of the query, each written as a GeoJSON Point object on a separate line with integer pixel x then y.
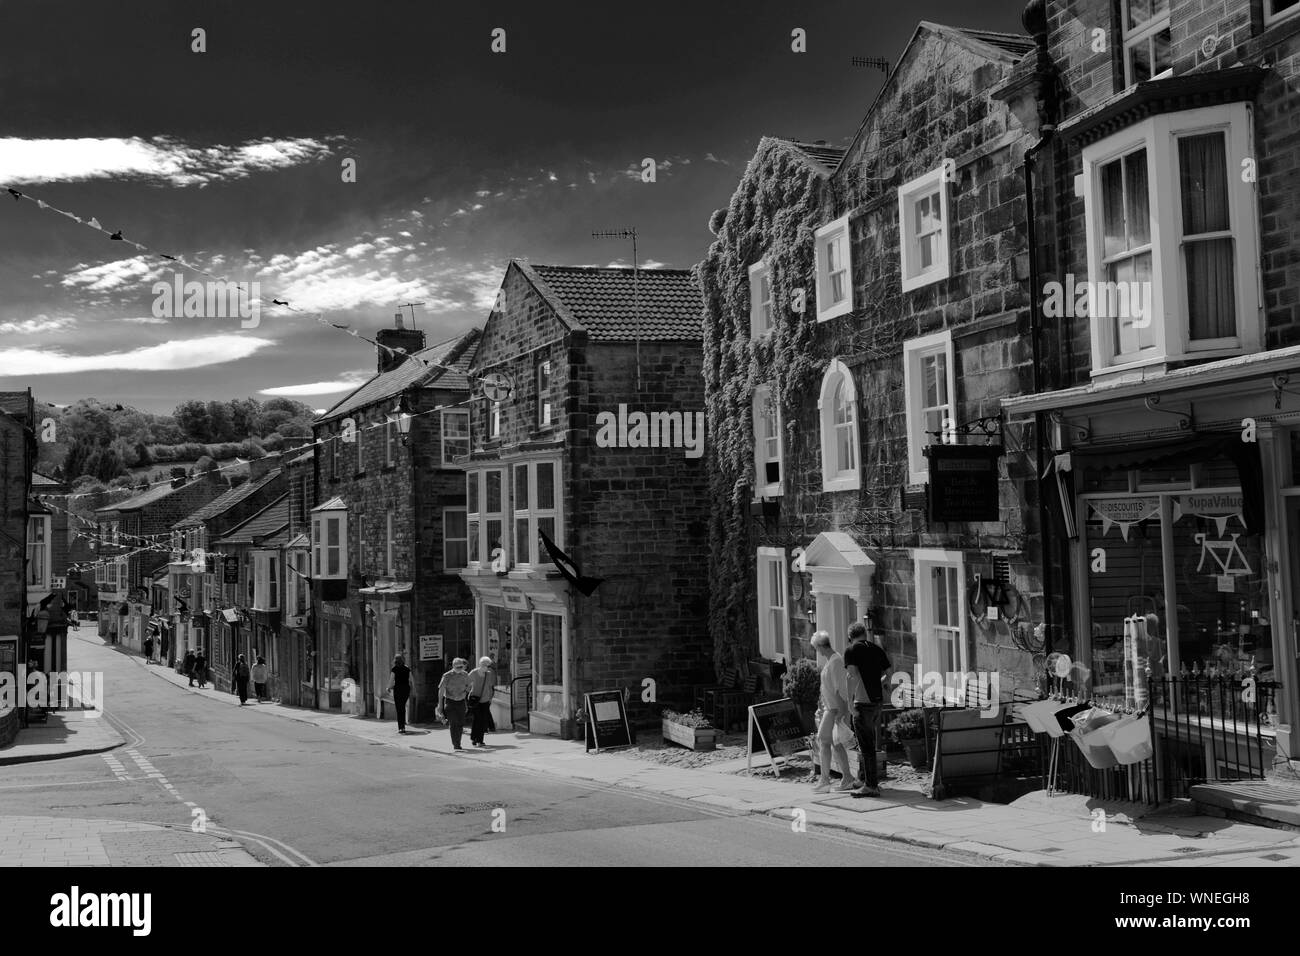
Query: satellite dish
{"type": "Point", "coordinates": [496, 386]}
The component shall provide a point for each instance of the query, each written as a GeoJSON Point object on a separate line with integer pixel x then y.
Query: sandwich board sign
{"type": "Point", "coordinates": [607, 720]}
{"type": "Point", "coordinates": [777, 728]}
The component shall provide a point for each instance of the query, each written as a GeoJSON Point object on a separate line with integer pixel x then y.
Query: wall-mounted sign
{"type": "Point", "coordinates": [336, 610]}
{"type": "Point", "coordinates": [963, 482]}
{"type": "Point", "coordinates": [458, 612]}
{"type": "Point", "coordinates": [230, 571]}
{"type": "Point", "coordinates": [515, 598]}
{"type": "Point", "coordinates": [430, 647]}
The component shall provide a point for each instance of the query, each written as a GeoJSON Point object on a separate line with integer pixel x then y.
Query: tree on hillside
{"type": "Point", "coordinates": [244, 414]}
{"type": "Point", "coordinates": [192, 419]}
{"type": "Point", "coordinates": [220, 425]}
{"type": "Point", "coordinates": [277, 411]}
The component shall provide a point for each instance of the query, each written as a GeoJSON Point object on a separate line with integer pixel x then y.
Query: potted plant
{"type": "Point", "coordinates": [691, 729]}
{"type": "Point", "coordinates": [908, 730]}
{"type": "Point", "coordinates": [802, 684]}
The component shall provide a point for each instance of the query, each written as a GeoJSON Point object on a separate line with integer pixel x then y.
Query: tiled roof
{"type": "Point", "coordinates": [39, 479]}
{"type": "Point", "coordinates": [605, 301]}
{"type": "Point", "coordinates": [824, 159]}
{"type": "Point", "coordinates": [458, 353]}
{"type": "Point", "coordinates": [147, 497]}
{"type": "Point", "coordinates": [271, 520]}
{"type": "Point", "coordinates": [225, 500]}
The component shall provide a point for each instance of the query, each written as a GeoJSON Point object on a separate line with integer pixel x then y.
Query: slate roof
{"type": "Point", "coordinates": [604, 301]}
{"type": "Point", "coordinates": [271, 520]}
{"type": "Point", "coordinates": [1012, 43]}
{"type": "Point", "coordinates": [39, 479]}
{"type": "Point", "coordinates": [225, 500]}
{"type": "Point", "coordinates": [147, 497]}
{"type": "Point", "coordinates": [458, 353]}
{"type": "Point", "coordinates": [824, 159]}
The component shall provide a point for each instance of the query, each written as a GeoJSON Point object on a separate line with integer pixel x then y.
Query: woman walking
{"type": "Point", "coordinates": [188, 664]}
{"type": "Point", "coordinates": [400, 686]}
{"type": "Point", "coordinates": [835, 710]}
{"type": "Point", "coordinates": [241, 679]}
{"type": "Point", "coordinates": [201, 669]}
{"type": "Point", "coordinates": [260, 673]}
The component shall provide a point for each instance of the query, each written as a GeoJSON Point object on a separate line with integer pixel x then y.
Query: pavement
{"type": "Point", "coordinates": [1064, 830]}
{"type": "Point", "coordinates": [65, 733]}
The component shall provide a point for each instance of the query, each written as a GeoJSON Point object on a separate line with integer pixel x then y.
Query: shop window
{"type": "Point", "coordinates": [760, 300]}
{"type": "Point", "coordinates": [929, 392]}
{"type": "Point", "coordinates": [923, 227]}
{"type": "Point", "coordinates": [455, 540]}
{"type": "Point", "coordinates": [773, 617]}
{"type": "Point", "coordinates": [767, 444]}
{"type": "Point", "coordinates": [550, 650]}
{"type": "Point", "coordinates": [497, 633]}
{"type": "Point", "coordinates": [1158, 476]}
{"type": "Point", "coordinates": [1174, 267]}
{"type": "Point", "coordinates": [834, 269]}
{"type": "Point", "coordinates": [1145, 28]}
{"type": "Point", "coordinates": [839, 429]}
{"type": "Point", "coordinates": [455, 435]}
{"type": "Point", "coordinates": [940, 604]}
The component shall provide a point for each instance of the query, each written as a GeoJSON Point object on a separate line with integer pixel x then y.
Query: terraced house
{"type": "Point", "coordinates": [1170, 159]}
{"type": "Point", "coordinates": [588, 433]}
{"type": "Point", "coordinates": [866, 311]}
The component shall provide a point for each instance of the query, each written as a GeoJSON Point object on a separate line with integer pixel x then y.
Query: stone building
{"type": "Point", "coordinates": [17, 457]}
{"type": "Point", "coordinates": [388, 536]}
{"type": "Point", "coordinates": [589, 430]}
{"type": "Point", "coordinates": [1168, 174]}
{"type": "Point", "coordinates": [865, 313]}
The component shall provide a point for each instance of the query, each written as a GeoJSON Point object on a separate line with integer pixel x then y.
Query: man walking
{"type": "Point", "coordinates": [201, 668]}
{"type": "Point", "coordinates": [400, 685]}
{"type": "Point", "coordinates": [867, 666]}
{"type": "Point", "coordinates": [241, 679]}
{"type": "Point", "coordinates": [480, 700]}
{"type": "Point", "coordinates": [189, 665]}
{"type": "Point", "coordinates": [453, 695]}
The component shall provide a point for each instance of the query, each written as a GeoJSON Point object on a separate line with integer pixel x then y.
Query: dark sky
{"type": "Point", "coordinates": [465, 158]}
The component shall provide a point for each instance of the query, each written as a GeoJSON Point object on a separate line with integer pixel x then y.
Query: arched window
{"type": "Point", "coordinates": [838, 407]}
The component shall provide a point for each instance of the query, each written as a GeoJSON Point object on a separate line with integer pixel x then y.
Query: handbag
{"type": "Point", "coordinates": [843, 735]}
{"type": "Point", "coordinates": [1089, 734]}
{"type": "Point", "coordinates": [1039, 714]}
{"type": "Point", "coordinates": [1129, 739]}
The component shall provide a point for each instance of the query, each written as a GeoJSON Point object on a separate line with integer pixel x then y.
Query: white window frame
{"type": "Point", "coordinates": [773, 642]}
{"type": "Point", "coordinates": [477, 521]}
{"type": "Point", "coordinates": [296, 594]}
{"type": "Point", "coordinates": [1142, 34]}
{"type": "Point", "coordinates": [1168, 300]}
{"type": "Point", "coordinates": [462, 414]}
{"type": "Point", "coordinates": [1271, 16]}
{"type": "Point", "coordinates": [839, 479]}
{"type": "Point", "coordinates": [45, 546]}
{"type": "Point", "coordinates": [914, 277]}
{"type": "Point", "coordinates": [494, 420]}
{"type": "Point", "coordinates": [915, 351]}
{"type": "Point", "coordinates": [449, 567]}
{"type": "Point", "coordinates": [390, 443]}
{"type": "Point", "coordinates": [836, 231]}
{"type": "Point", "coordinates": [762, 402]}
{"type": "Point", "coordinates": [925, 560]}
{"type": "Point", "coordinates": [760, 324]}
{"type": "Point", "coordinates": [532, 513]}
{"type": "Point", "coordinates": [266, 588]}
{"type": "Point", "coordinates": [545, 403]}
{"type": "Point", "coordinates": [389, 567]}
{"type": "Point", "coordinates": [321, 547]}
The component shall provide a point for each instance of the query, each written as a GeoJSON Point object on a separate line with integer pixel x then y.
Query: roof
{"type": "Point", "coordinates": [604, 302]}
{"type": "Point", "coordinates": [147, 497]}
{"type": "Point", "coordinates": [1012, 44]}
{"type": "Point", "coordinates": [458, 353]}
{"type": "Point", "coordinates": [824, 159]}
{"type": "Point", "coordinates": [334, 504]}
{"type": "Point", "coordinates": [226, 500]}
{"type": "Point", "coordinates": [270, 521]}
{"type": "Point", "coordinates": [16, 403]}
{"type": "Point", "coordinates": [39, 479]}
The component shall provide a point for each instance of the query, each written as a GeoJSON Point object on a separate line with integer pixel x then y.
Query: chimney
{"type": "Point", "coordinates": [260, 466]}
{"type": "Point", "coordinates": [400, 337]}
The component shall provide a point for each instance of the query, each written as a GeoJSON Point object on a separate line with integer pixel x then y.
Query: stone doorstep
{"type": "Point", "coordinates": [1265, 804]}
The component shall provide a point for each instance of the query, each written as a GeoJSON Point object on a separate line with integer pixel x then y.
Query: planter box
{"type": "Point", "coordinates": [694, 737]}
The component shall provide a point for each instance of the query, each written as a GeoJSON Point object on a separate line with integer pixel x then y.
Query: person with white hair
{"type": "Point", "coordinates": [453, 695]}
{"type": "Point", "coordinates": [835, 710]}
{"type": "Point", "coordinates": [480, 700]}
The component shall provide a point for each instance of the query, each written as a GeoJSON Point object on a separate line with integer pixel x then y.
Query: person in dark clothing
{"type": "Point", "coordinates": [867, 664]}
{"type": "Point", "coordinates": [480, 700]}
{"type": "Point", "coordinates": [148, 650]}
{"type": "Point", "coordinates": [188, 664]}
{"type": "Point", "coordinates": [400, 686]}
{"type": "Point", "coordinates": [201, 669]}
{"type": "Point", "coordinates": [241, 679]}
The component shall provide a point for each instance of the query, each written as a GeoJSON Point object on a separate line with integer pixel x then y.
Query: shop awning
{"type": "Point", "coordinates": [1190, 450]}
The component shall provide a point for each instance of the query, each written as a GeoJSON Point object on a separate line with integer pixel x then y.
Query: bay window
{"type": "Point", "coordinates": [1275, 10]}
{"type": "Point", "coordinates": [485, 497]}
{"type": "Point", "coordinates": [535, 511]}
{"type": "Point", "coordinates": [1172, 238]}
{"type": "Point", "coordinates": [329, 540]}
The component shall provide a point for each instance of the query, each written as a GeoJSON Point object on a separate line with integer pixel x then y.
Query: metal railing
{"type": "Point", "coordinates": [528, 699]}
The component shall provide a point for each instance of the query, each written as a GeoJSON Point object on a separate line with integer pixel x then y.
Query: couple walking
{"type": "Point", "coordinates": [852, 690]}
{"type": "Point", "coordinates": [258, 673]}
{"type": "Point", "coordinates": [461, 693]}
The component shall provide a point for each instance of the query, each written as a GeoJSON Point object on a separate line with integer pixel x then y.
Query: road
{"type": "Point", "coordinates": [296, 794]}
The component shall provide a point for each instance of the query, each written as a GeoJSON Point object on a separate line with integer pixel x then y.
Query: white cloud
{"type": "Point", "coordinates": [161, 158]}
{"type": "Point", "coordinates": [144, 320]}
{"type": "Point", "coordinates": [167, 356]}
{"type": "Point", "coordinates": [109, 276]}
{"type": "Point", "coordinates": [314, 388]}
{"type": "Point", "coordinates": [37, 326]}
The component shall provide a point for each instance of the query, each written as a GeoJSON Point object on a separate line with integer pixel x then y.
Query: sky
{"type": "Point", "coordinates": [233, 159]}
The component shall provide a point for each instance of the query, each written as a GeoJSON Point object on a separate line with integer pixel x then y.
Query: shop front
{"type": "Point", "coordinates": [387, 630]}
{"type": "Point", "coordinates": [338, 657]}
{"type": "Point", "coordinates": [1185, 549]}
{"type": "Point", "coordinates": [523, 624]}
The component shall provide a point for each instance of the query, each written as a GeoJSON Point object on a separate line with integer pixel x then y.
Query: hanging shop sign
{"type": "Point", "coordinates": [430, 647]}
{"type": "Point", "coordinates": [963, 482]}
{"type": "Point", "coordinates": [230, 571]}
{"type": "Point", "coordinates": [607, 724]}
{"type": "Point", "coordinates": [1219, 508]}
{"type": "Point", "coordinates": [1125, 512]}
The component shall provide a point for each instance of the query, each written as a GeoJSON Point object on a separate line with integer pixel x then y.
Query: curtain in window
{"type": "Point", "coordinates": [1203, 185]}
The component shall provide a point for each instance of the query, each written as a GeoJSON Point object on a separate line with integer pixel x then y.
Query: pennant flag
{"type": "Point", "coordinates": [42, 204]}
{"type": "Point", "coordinates": [16, 194]}
{"type": "Point", "coordinates": [117, 235]}
{"type": "Point", "coordinates": [94, 224]}
{"type": "Point", "coordinates": [278, 302]}
{"type": "Point", "coordinates": [170, 258]}
{"type": "Point", "coordinates": [569, 569]}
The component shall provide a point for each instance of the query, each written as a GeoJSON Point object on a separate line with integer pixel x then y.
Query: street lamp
{"type": "Point", "coordinates": [403, 419]}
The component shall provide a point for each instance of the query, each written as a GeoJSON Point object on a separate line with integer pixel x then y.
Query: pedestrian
{"type": "Point", "coordinates": [835, 710]}
{"type": "Point", "coordinates": [148, 650]}
{"type": "Point", "coordinates": [260, 673]}
{"type": "Point", "coordinates": [480, 700]}
{"type": "Point", "coordinates": [188, 664]}
{"type": "Point", "coordinates": [201, 668]}
{"type": "Point", "coordinates": [868, 665]}
{"type": "Point", "coordinates": [241, 680]}
{"type": "Point", "coordinates": [400, 687]}
{"type": "Point", "coordinates": [453, 690]}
